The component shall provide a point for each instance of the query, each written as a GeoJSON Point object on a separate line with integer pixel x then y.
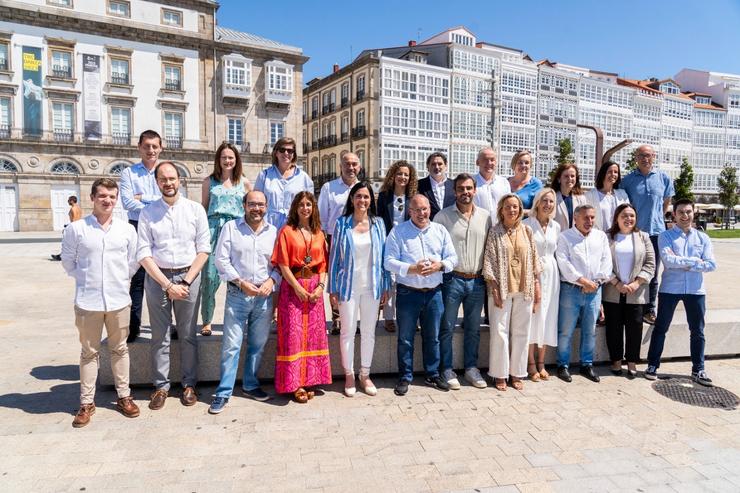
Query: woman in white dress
{"type": "Point", "coordinates": [544, 329]}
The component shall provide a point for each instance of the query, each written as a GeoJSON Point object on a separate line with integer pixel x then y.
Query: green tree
{"type": "Point", "coordinates": [631, 163]}
{"type": "Point", "coordinates": [685, 181]}
{"type": "Point", "coordinates": [727, 183]}
{"type": "Point", "coordinates": [565, 155]}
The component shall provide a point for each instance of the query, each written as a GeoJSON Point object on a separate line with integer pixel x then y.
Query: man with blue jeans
{"type": "Point", "coordinates": [650, 191]}
{"type": "Point", "coordinates": [242, 259]}
{"type": "Point", "coordinates": [417, 251]}
{"type": "Point", "coordinates": [585, 263]}
{"type": "Point", "coordinates": [468, 226]}
{"type": "Point", "coordinates": [686, 254]}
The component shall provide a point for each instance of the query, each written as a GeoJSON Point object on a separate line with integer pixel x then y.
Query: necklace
{"type": "Point", "coordinates": [513, 235]}
{"type": "Point", "coordinates": [307, 259]}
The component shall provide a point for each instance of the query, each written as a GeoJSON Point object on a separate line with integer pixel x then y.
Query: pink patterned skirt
{"type": "Point", "coordinates": [302, 358]}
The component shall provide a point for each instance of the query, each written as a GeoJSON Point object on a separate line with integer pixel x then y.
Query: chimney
{"type": "Point", "coordinates": [335, 69]}
{"type": "Point", "coordinates": [412, 43]}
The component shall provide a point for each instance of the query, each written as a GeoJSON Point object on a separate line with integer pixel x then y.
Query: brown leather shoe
{"type": "Point", "coordinates": [127, 406]}
{"type": "Point", "coordinates": [82, 418]}
{"type": "Point", "coordinates": [189, 397]}
{"type": "Point", "coordinates": [157, 399]}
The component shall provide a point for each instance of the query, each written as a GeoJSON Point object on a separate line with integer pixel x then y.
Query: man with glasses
{"type": "Point", "coordinates": [332, 199]}
{"type": "Point", "coordinates": [174, 243]}
{"type": "Point", "coordinates": [418, 251]}
{"type": "Point", "coordinates": [243, 255]}
{"type": "Point", "coordinates": [650, 191]}
{"type": "Point", "coordinates": [687, 254]}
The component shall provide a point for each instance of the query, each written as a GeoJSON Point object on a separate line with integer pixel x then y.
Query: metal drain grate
{"type": "Point", "coordinates": [688, 392]}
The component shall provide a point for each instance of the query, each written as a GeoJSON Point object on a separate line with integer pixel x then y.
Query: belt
{"type": "Point", "coordinates": [179, 270]}
{"type": "Point", "coordinates": [303, 272]}
{"type": "Point", "coordinates": [420, 290]}
{"type": "Point", "coordinates": [465, 275]}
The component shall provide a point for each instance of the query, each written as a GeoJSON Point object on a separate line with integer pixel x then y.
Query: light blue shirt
{"type": "Point", "coordinates": [685, 259]}
{"type": "Point", "coordinates": [407, 244]}
{"type": "Point", "coordinates": [281, 191]}
{"type": "Point", "coordinates": [137, 180]}
{"type": "Point", "coordinates": [242, 253]}
{"type": "Point", "coordinates": [342, 258]}
{"type": "Point", "coordinates": [528, 191]}
{"type": "Point", "coordinates": [647, 194]}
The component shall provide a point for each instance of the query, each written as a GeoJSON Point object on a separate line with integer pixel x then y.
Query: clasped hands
{"type": "Point", "coordinates": [425, 267]}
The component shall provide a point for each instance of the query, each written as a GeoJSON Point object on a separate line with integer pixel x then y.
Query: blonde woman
{"type": "Point", "coordinates": [523, 183]}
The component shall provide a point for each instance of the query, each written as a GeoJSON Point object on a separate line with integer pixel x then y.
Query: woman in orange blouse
{"type": "Point", "coordinates": [302, 358]}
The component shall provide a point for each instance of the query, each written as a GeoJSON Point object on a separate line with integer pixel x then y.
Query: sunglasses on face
{"type": "Point", "coordinates": [287, 150]}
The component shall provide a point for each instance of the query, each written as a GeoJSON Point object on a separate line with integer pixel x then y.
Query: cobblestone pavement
{"type": "Point", "coordinates": [618, 435]}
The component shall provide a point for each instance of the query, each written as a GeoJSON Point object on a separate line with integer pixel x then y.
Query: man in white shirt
{"type": "Point", "coordinates": [242, 257]}
{"type": "Point", "coordinates": [418, 251]}
{"type": "Point", "coordinates": [585, 263]}
{"type": "Point", "coordinates": [332, 199]}
{"type": "Point", "coordinates": [174, 243]}
{"type": "Point", "coordinates": [99, 252]}
{"type": "Point", "coordinates": [436, 187]}
{"type": "Point", "coordinates": [490, 186]}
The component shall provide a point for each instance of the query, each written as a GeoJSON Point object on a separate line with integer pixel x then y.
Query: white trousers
{"type": "Point", "coordinates": [509, 336]}
{"type": "Point", "coordinates": [367, 307]}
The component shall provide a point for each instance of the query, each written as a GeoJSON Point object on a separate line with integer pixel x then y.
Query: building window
{"type": "Point", "coordinates": [277, 131]}
{"type": "Point", "coordinates": [237, 74]}
{"type": "Point", "coordinates": [5, 118]}
{"type": "Point", "coordinates": [171, 18]}
{"type": "Point", "coordinates": [61, 64]}
{"type": "Point", "coordinates": [119, 8]}
{"type": "Point", "coordinates": [361, 118]}
{"type": "Point", "coordinates": [7, 167]}
{"type": "Point", "coordinates": [361, 158]}
{"type": "Point", "coordinates": [4, 60]}
{"type": "Point", "coordinates": [173, 130]}
{"type": "Point", "coordinates": [314, 107]}
{"type": "Point", "coordinates": [173, 78]}
{"type": "Point", "coordinates": [280, 78]}
{"type": "Point", "coordinates": [63, 121]}
{"type": "Point", "coordinates": [235, 133]}
{"type": "Point", "coordinates": [345, 94]}
{"type": "Point", "coordinates": [119, 71]}
{"type": "Point", "coordinates": [60, 3]}
{"type": "Point", "coordinates": [120, 125]}
{"type": "Point", "coordinates": [65, 168]}
{"type": "Point", "coordinates": [360, 87]}
{"type": "Point", "coordinates": [117, 169]}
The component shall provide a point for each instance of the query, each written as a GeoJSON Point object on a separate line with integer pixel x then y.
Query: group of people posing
{"type": "Point", "coordinates": [539, 260]}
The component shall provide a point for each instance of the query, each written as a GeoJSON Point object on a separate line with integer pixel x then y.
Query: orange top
{"type": "Point", "coordinates": [290, 249]}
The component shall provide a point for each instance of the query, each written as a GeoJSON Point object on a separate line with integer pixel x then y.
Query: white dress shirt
{"type": "Point", "coordinates": [407, 244]}
{"type": "Point", "coordinates": [173, 235]}
{"type": "Point", "coordinates": [137, 180]}
{"type": "Point", "coordinates": [438, 188]}
{"type": "Point", "coordinates": [242, 253]}
{"type": "Point", "coordinates": [488, 193]}
{"type": "Point", "coordinates": [101, 262]}
{"type": "Point", "coordinates": [584, 256]}
{"type": "Point", "coordinates": [332, 199]}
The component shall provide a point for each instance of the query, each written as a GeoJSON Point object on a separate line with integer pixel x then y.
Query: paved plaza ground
{"type": "Point", "coordinates": [618, 435]}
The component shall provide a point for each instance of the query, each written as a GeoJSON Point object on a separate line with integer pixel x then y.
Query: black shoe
{"type": "Point", "coordinates": [57, 257]}
{"type": "Point", "coordinates": [616, 373]}
{"type": "Point", "coordinates": [401, 387]}
{"type": "Point", "coordinates": [437, 382]}
{"type": "Point", "coordinates": [257, 394]}
{"type": "Point", "coordinates": [588, 372]}
{"type": "Point", "coordinates": [631, 374]}
{"type": "Point", "coordinates": [649, 318]}
{"type": "Point", "coordinates": [564, 374]}
{"type": "Point", "coordinates": [173, 334]}
{"type": "Point", "coordinates": [335, 328]}
{"type": "Point", "coordinates": [133, 333]}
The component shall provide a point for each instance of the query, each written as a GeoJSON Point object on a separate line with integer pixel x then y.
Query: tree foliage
{"type": "Point", "coordinates": [631, 163]}
{"type": "Point", "coordinates": [685, 181]}
{"type": "Point", "coordinates": [565, 155]}
{"type": "Point", "coordinates": [727, 184]}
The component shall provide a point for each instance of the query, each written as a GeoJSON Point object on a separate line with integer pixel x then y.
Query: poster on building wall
{"type": "Point", "coordinates": [91, 94]}
{"type": "Point", "coordinates": [33, 94]}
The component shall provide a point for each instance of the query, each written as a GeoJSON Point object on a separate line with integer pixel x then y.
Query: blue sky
{"type": "Point", "coordinates": [636, 39]}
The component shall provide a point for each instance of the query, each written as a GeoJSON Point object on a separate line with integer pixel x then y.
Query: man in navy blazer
{"type": "Point", "coordinates": [436, 187]}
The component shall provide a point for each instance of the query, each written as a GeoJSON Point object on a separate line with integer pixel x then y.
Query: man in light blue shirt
{"type": "Point", "coordinates": [686, 254]}
{"type": "Point", "coordinates": [418, 251]}
{"type": "Point", "coordinates": [138, 189]}
{"type": "Point", "coordinates": [650, 192]}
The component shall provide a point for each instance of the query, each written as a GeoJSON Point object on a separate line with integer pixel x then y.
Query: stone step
{"type": "Point", "coordinates": [722, 339]}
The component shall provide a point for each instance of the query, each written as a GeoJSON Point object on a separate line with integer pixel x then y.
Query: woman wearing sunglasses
{"type": "Point", "coordinates": [282, 181]}
{"type": "Point", "coordinates": [399, 185]}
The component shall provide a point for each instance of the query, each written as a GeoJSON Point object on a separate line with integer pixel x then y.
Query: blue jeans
{"type": "Point", "coordinates": [695, 308]}
{"type": "Point", "coordinates": [575, 304]}
{"type": "Point", "coordinates": [472, 294]}
{"type": "Point", "coordinates": [256, 313]}
{"type": "Point", "coordinates": [427, 307]}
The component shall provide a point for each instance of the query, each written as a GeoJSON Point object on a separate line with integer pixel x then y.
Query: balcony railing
{"type": "Point", "coordinates": [360, 95]}
{"type": "Point", "coordinates": [328, 141]}
{"type": "Point", "coordinates": [61, 71]}
{"type": "Point", "coordinates": [279, 96]}
{"type": "Point", "coordinates": [121, 139]}
{"type": "Point", "coordinates": [358, 132]}
{"type": "Point", "coordinates": [63, 135]}
{"type": "Point", "coordinates": [345, 136]}
{"type": "Point", "coordinates": [173, 142]}
{"type": "Point", "coordinates": [325, 109]}
{"type": "Point", "coordinates": [237, 90]}
{"type": "Point", "coordinates": [172, 85]}
{"type": "Point", "coordinates": [314, 145]}
{"type": "Point", "coordinates": [305, 149]}
{"type": "Point", "coordinates": [345, 102]}
{"type": "Point", "coordinates": [119, 78]}
{"type": "Point", "coordinates": [4, 131]}
{"type": "Point", "coordinates": [314, 114]}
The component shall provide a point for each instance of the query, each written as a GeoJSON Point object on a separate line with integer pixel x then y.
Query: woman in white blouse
{"type": "Point", "coordinates": [567, 184]}
{"type": "Point", "coordinates": [606, 196]}
{"type": "Point", "coordinates": [544, 329]}
{"type": "Point", "coordinates": [624, 296]}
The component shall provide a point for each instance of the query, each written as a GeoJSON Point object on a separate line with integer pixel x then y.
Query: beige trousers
{"type": "Point", "coordinates": [90, 326]}
{"type": "Point", "coordinates": [509, 336]}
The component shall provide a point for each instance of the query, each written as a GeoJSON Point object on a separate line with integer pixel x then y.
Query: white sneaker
{"type": "Point", "coordinates": [451, 378]}
{"type": "Point", "coordinates": [473, 376]}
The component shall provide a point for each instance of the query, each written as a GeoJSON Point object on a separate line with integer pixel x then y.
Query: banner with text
{"type": "Point", "coordinates": [33, 94]}
{"type": "Point", "coordinates": [92, 96]}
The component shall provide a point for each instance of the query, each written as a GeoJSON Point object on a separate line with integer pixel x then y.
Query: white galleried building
{"type": "Point", "coordinates": [80, 79]}
{"type": "Point", "coordinates": [437, 95]}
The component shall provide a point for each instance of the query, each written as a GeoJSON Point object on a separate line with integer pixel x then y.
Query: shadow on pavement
{"type": "Point", "coordinates": [61, 398]}
{"type": "Point", "coordinates": [70, 373]}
